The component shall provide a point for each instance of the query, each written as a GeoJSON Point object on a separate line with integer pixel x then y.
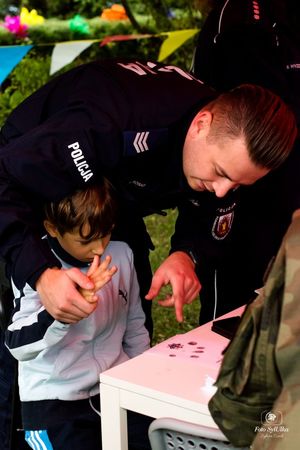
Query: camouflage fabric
{"type": "Point", "coordinates": [258, 387]}
{"type": "Point", "coordinates": [284, 433]}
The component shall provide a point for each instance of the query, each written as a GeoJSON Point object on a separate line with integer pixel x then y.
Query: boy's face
{"type": "Point", "coordinates": [81, 249]}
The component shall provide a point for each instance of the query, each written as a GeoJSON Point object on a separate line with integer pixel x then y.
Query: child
{"type": "Point", "coordinates": [59, 363]}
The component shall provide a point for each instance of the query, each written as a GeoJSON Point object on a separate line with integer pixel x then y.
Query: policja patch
{"type": "Point", "coordinates": [223, 222]}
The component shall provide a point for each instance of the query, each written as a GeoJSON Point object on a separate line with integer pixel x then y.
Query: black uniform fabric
{"type": "Point", "coordinates": [252, 42]}
{"type": "Point", "coordinates": [124, 120]}
{"type": "Point", "coordinates": [246, 41]}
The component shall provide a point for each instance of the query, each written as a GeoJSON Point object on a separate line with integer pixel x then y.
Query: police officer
{"type": "Point", "coordinates": [163, 139]}
{"type": "Point", "coordinates": [252, 42]}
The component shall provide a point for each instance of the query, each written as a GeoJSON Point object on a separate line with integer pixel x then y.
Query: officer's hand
{"type": "Point", "coordinates": [58, 291]}
{"type": "Point", "coordinates": [178, 270]}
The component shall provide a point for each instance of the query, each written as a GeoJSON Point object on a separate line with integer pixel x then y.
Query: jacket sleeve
{"type": "Point", "coordinates": [46, 163]}
{"type": "Point", "coordinates": [32, 329]}
{"type": "Point", "coordinates": [285, 432]}
{"type": "Point", "coordinates": [136, 338]}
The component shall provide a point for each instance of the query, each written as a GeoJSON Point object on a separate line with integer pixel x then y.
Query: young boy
{"type": "Point", "coordinates": [59, 363]}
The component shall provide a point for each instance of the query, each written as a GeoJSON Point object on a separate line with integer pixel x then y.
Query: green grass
{"type": "Point", "coordinates": [165, 325]}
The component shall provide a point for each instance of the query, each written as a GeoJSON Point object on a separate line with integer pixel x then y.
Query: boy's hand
{"type": "Point", "coordinates": [100, 274]}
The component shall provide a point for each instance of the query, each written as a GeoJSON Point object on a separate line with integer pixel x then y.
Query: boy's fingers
{"type": "Point", "coordinates": [94, 265]}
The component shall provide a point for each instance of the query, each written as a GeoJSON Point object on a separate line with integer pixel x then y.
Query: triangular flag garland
{"type": "Point", "coordinates": [65, 52]}
{"type": "Point", "coordinates": [123, 37]}
{"type": "Point", "coordinates": [174, 40]}
{"type": "Point", "coordinates": [10, 57]}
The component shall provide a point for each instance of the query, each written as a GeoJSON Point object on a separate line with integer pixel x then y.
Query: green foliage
{"type": "Point", "coordinates": [169, 14]}
{"type": "Point", "coordinates": [90, 8]}
{"type": "Point", "coordinates": [6, 38]}
{"type": "Point", "coordinates": [148, 16]}
{"type": "Point", "coordinates": [165, 324]}
{"type": "Point", "coordinates": [55, 30]}
{"type": "Point", "coordinates": [4, 7]}
{"type": "Point", "coordinates": [39, 5]}
{"type": "Point", "coordinates": [65, 10]}
{"type": "Point", "coordinates": [29, 75]}
{"type": "Point", "coordinates": [51, 8]}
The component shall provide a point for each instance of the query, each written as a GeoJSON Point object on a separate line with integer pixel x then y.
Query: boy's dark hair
{"type": "Point", "coordinates": [261, 117]}
{"type": "Point", "coordinates": [95, 206]}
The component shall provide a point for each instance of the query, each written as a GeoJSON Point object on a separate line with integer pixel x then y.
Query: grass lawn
{"type": "Point", "coordinates": [165, 325]}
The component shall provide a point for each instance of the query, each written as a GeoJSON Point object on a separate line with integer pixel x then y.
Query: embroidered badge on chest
{"type": "Point", "coordinates": [222, 225]}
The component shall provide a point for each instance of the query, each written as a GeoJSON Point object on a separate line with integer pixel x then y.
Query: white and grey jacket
{"type": "Point", "coordinates": [63, 361]}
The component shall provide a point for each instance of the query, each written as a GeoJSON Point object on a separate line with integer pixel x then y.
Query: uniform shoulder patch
{"type": "Point", "coordinates": [141, 141]}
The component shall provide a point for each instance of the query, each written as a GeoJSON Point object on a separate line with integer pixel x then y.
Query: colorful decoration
{"type": "Point", "coordinates": [123, 37]}
{"type": "Point", "coordinates": [65, 52]}
{"type": "Point", "coordinates": [10, 56]}
{"type": "Point", "coordinates": [79, 24]}
{"type": "Point", "coordinates": [18, 25]}
{"type": "Point", "coordinates": [115, 12]}
{"type": "Point", "coordinates": [13, 25]}
{"type": "Point", "coordinates": [175, 39]}
{"type": "Point", "coordinates": [30, 17]}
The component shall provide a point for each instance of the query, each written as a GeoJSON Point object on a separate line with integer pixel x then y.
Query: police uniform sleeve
{"type": "Point", "coordinates": [45, 164]}
{"type": "Point", "coordinates": [136, 338]}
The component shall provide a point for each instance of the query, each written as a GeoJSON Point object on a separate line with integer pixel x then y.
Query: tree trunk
{"type": "Point", "coordinates": [131, 17]}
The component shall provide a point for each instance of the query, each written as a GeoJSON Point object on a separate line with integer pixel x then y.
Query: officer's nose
{"type": "Point", "coordinates": [222, 186]}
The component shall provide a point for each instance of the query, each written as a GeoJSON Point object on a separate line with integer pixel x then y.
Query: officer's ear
{"type": "Point", "coordinates": [201, 123]}
{"type": "Point", "coordinates": [51, 229]}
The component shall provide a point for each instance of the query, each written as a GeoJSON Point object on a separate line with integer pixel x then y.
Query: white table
{"type": "Point", "coordinates": [173, 379]}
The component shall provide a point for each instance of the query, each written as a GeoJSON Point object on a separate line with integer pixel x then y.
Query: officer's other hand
{"type": "Point", "coordinates": [58, 291]}
{"type": "Point", "coordinates": [178, 270]}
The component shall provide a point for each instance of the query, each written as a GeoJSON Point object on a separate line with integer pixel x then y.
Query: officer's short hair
{"type": "Point", "coordinates": [267, 124]}
{"type": "Point", "coordinates": [95, 206]}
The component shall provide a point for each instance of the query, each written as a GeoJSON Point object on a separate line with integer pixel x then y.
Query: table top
{"type": "Point", "coordinates": [180, 370]}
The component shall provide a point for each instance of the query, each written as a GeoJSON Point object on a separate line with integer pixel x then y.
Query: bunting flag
{"type": "Point", "coordinates": [174, 40]}
{"type": "Point", "coordinates": [65, 52]}
{"type": "Point", "coordinates": [10, 56]}
{"type": "Point", "coordinates": [123, 37]}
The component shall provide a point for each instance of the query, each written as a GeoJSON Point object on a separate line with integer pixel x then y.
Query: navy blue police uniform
{"type": "Point", "coordinates": [253, 42]}
{"type": "Point", "coordinates": [126, 121]}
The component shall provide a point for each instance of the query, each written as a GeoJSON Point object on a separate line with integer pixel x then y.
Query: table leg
{"type": "Point", "coordinates": [113, 419]}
